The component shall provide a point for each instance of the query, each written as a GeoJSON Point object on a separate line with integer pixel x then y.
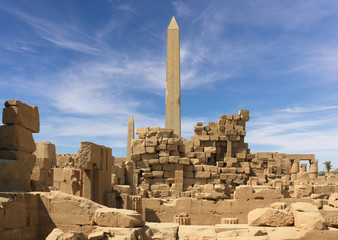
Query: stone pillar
{"type": "Point", "coordinates": [173, 88]}
{"type": "Point", "coordinates": [182, 219]}
{"type": "Point", "coordinates": [294, 170]}
{"type": "Point", "coordinates": [314, 170]}
{"type": "Point", "coordinates": [17, 145]}
{"type": "Point", "coordinates": [136, 203]}
{"type": "Point", "coordinates": [131, 135]}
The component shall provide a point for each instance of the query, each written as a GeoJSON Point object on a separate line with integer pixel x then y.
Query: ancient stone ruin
{"type": "Point", "coordinates": [209, 187]}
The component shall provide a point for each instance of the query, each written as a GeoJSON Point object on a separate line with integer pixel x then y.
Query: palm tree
{"type": "Point", "coordinates": [328, 166]}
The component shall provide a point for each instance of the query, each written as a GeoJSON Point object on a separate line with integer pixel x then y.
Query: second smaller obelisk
{"type": "Point", "coordinates": [173, 82]}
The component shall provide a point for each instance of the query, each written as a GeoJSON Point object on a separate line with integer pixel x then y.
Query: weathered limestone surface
{"type": "Point", "coordinates": [307, 216]}
{"type": "Point", "coordinates": [173, 89]}
{"type": "Point", "coordinates": [167, 231]}
{"type": "Point", "coordinates": [19, 113]}
{"type": "Point", "coordinates": [113, 217]}
{"type": "Point", "coordinates": [269, 217]}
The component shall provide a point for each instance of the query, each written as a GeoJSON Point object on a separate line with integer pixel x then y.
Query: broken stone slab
{"type": "Point", "coordinates": [307, 216]}
{"type": "Point", "coordinates": [309, 220]}
{"type": "Point", "coordinates": [15, 137]}
{"type": "Point", "coordinates": [113, 217]}
{"type": "Point", "coordinates": [269, 217]}
{"type": "Point", "coordinates": [161, 230]}
{"type": "Point", "coordinates": [19, 113]}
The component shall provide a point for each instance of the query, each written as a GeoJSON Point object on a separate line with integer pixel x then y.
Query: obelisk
{"type": "Point", "coordinates": [130, 137]}
{"type": "Point", "coordinates": [173, 88]}
{"type": "Point", "coordinates": [129, 164]}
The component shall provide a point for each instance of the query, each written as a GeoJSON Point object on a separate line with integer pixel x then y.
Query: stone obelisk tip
{"type": "Point", "coordinates": [131, 119]}
{"type": "Point", "coordinates": [173, 24]}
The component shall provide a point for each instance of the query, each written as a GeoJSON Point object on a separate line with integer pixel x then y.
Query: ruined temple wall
{"type": "Point", "coordinates": [207, 212]}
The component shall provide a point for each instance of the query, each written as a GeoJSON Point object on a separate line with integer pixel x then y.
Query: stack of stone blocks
{"type": "Point", "coordinates": [208, 166]}
{"type": "Point", "coordinates": [212, 164]}
{"type": "Point", "coordinates": [17, 145]}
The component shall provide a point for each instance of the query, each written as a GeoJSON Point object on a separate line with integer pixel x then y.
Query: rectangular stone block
{"type": "Point", "coordinates": [89, 156]}
{"type": "Point", "coordinates": [14, 176]}
{"type": "Point", "coordinates": [202, 174]}
{"type": "Point", "coordinates": [184, 161]}
{"type": "Point", "coordinates": [19, 113]}
{"type": "Point", "coordinates": [138, 146]}
{"type": "Point", "coordinates": [15, 137]}
{"type": "Point", "coordinates": [164, 160]}
{"type": "Point", "coordinates": [17, 155]}
{"type": "Point", "coordinates": [174, 159]}
{"type": "Point", "coordinates": [157, 174]}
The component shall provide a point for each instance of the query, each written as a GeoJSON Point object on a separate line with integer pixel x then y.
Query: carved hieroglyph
{"type": "Point", "coordinates": [173, 90]}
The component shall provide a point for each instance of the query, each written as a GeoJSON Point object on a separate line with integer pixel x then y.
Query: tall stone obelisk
{"type": "Point", "coordinates": [129, 164]}
{"type": "Point", "coordinates": [173, 90]}
{"type": "Point", "coordinates": [130, 136]}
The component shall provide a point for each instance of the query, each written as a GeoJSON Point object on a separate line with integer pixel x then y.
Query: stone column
{"type": "Point", "coordinates": [173, 88]}
{"type": "Point", "coordinates": [313, 170]}
{"type": "Point", "coordinates": [294, 170]}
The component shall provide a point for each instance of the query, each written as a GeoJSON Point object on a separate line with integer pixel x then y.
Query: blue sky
{"type": "Point", "coordinates": [88, 65]}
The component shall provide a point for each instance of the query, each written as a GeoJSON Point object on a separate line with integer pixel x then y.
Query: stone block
{"type": "Point", "coordinates": [151, 142]}
{"type": "Point", "coordinates": [15, 137]}
{"type": "Point", "coordinates": [150, 149]}
{"type": "Point", "coordinates": [202, 174]}
{"type": "Point", "coordinates": [174, 159]}
{"type": "Point", "coordinates": [309, 220]}
{"type": "Point", "coordinates": [138, 146]}
{"type": "Point", "coordinates": [163, 160]}
{"type": "Point", "coordinates": [157, 174]}
{"type": "Point", "coordinates": [302, 191]}
{"type": "Point", "coordinates": [15, 175]}
{"type": "Point", "coordinates": [19, 113]}
{"type": "Point", "coordinates": [184, 161]}
{"type": "Point", "coordinates": [269, 217]}
{"type": "Point", "coordinates": [89, 155]}
{"type": "Point", "coordinates": [323, 189]}
{"type": "Point", "coordinates": [113, 217]}
{"type": "Point", "coordinates": [17, 155]}
{"type": "Point", "coordinates": [153, 162]}
{"type": "Point", "coordinates": [244, 192]}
